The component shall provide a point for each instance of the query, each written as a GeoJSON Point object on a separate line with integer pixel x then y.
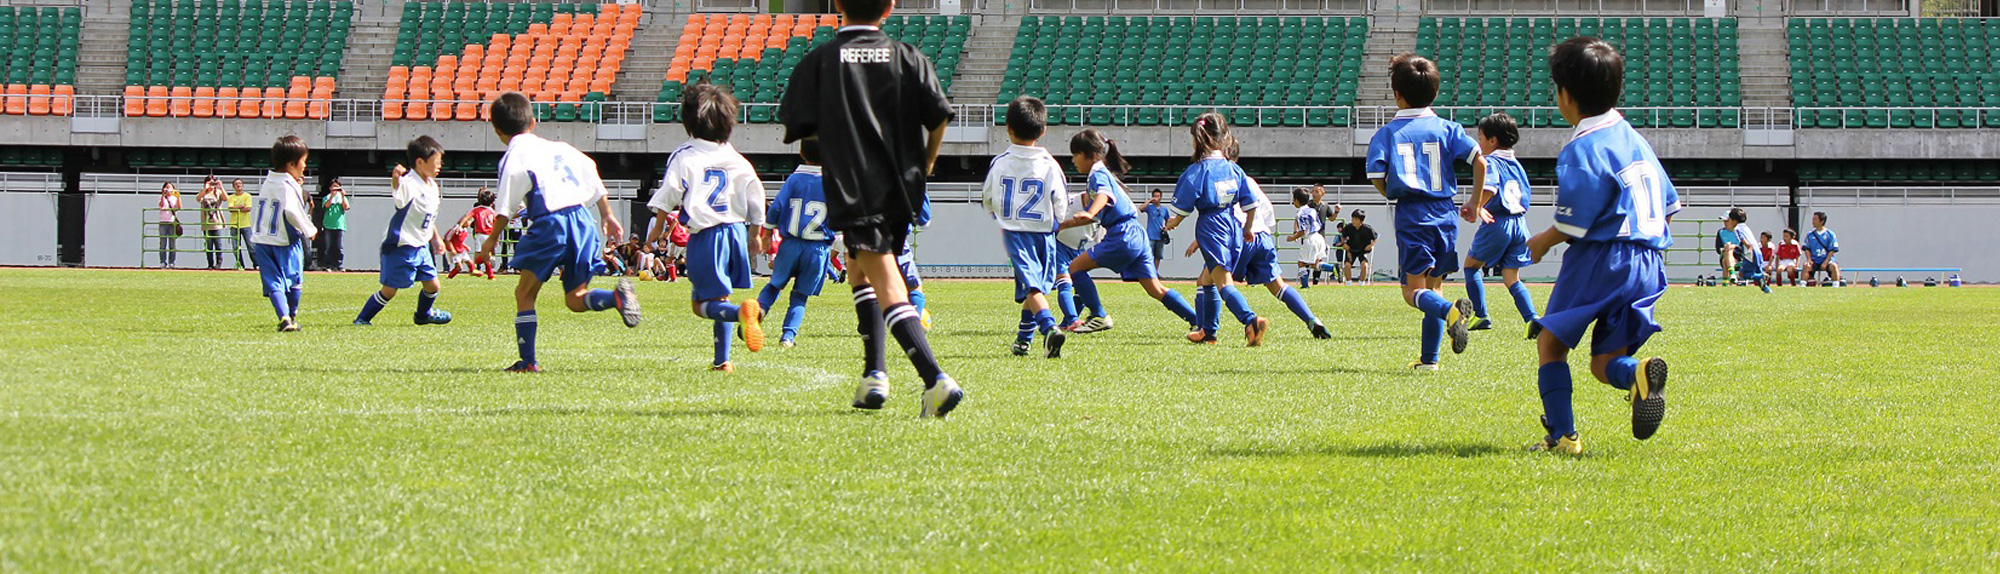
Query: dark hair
{"type": "Point", "coordinates": [1027, 117]}
{"type": "Point", "coordinates": [287, 151]}
{"type": "Point", "coordinates": [809, 150]}
{"type": "Point", "coordinates": [1590, 71]}
{"type": "Point", "coordinates": [1211, 134]}
{"type": "Point", "coordinates": [1415, 78]}
{"type": "Point", "coordinates": [708, 112]}
{"type": "Point", "coordinates": [1302, 197]}
{"type": "Point", "coordinates": [864, 10]}
{"type": "Point", "coordinates": [486, 198]}
{"type": "Point", "coordinates": [1789, 232]}
{"type": "Point", "coordinates": [422, 148]}
{"type": "Point", "coordinates": [1821, 215]}
{"type": "Point", "coordinates": [1359, 214]}
{"type": "Point", "coordinates": [512, 113]}
{"type": "Point", "coordinates": [1095, 144]}
{"type": "Point", "coordinates": [1736, 214]}
{"type": "Point", "coordinates": [236, 181]}
{"type": "Point", "coordinates": [1764, 234]}
{"type": "Point", "coordinates": [1501, 127]}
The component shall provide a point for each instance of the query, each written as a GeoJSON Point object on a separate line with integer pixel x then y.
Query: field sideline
{"type": "Point", "coordinates": [153, 421]}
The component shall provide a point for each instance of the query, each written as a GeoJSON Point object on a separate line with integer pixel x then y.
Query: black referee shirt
{"type": "Point", "coordinates": [870, 100]}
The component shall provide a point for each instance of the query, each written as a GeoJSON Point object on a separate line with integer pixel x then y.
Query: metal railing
{"type": "Point", "coordinates": [1850, 7]}
{"type": "Point", "coordinates": [1564, 8]}
{"type": "Point", "coordinates": [1875, 117]}
{"type": "Point", "coordinates": [1216, 7]}
{"type": "Point", "coordinates": [30, 182]}
{"type": "Point", "coordinates": [1897, 196]}
{"type": "Point", "coordinates": [468, 187]}
{"type": "Point", "coordinates": [231, 250]}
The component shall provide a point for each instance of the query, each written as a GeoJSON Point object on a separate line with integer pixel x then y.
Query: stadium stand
{"type": "Point", "coordinates": [221, 58]}
{"type": "Point", "coordinates": [1266, 71]}
{"type": "Point", "coordinates": [754, 54]}
{"type": "Point", "coordinates": [453, 56]}
{"type": "Point", "coordinates": [16, 157]}
{"type": "Point", "coordinates": [1872, 172]}
{"type": "Point", "coordinates": [40, 54]}
{"type": "Point", "coordinates": [1880, 63]}
{"type": "Point", "coordinates": [1686, 64]}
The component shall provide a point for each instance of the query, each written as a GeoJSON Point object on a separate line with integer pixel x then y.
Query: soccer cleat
{"type": "Point", "coordinates": [1320, 332]}
{"type": "Point", "coordinates": [1253, 333]}
{"type": "Point", "coordinates": [436, 317]}
{"type": "Point", "coordinates": [1460, 313]}
{"type": "Point", "coordinates": [1095, 324]}
{"type": "Point", "coordinates": [943, 396]}
{"type": "Point", "coordinates": [361, 323]}
{"type": "Point", "coordinates": [1423, 367]}
{"type": "Point", "coordinates": [873, 392]}
{"type": "Point", "coordinates": [750, 324]}
{"type": "Point", "coordinates": [525, 367]}
{"type": "Point", "coordinates": [453, 274]}
{"type": "Point", "coordinates": [288, 325]}
{"type": "Point", "coordinates": [1053, 344]}
{"type": "Point", "coordinates": [626, 298]}
{"type": "Point", "coordinates": [1072, 327]}
{"type": "Point", "coordinates": [1570, 445]}
{"type": "Point", "coordinates": [489, 272]}
{"type": "Point", "coordinates": [1534, 329]}
{"type": "Point", "coordinates": [1020, 348]}
{"type": "Point", "coordinates": [1649, 398]}
{"type": "Point", "coordinates": [786, 343]}
{"type": "Point", "coordinates": [1480, 325]}
{"type": "Point", "coordinates": [924, 319]}
{"type": "Point", "coordinates": [723, 368]}
{"type": "Point", "coordinates": [1200, 337]}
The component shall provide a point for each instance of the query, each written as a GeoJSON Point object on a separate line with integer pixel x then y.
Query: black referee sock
{"type": "Point", "coordinates": [909, 331]}
{"type": "Point", "coordinates": [868, 316]}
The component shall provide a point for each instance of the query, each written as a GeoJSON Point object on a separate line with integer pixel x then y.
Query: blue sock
{"type": "Point", "coordinates": [425, 300]}
{"type": "Point", "coordinates": [1305, 278]}
{"type": "Point", "coordinates": [1086, 294]}
{"type": "Point", "coordinates": [1238, 305]}
{"type": "Point", "coordinates": [1475, 289]}
{"type": "Point", "coordinates": [1208, 309]}
{"type": "Point", "coordinates": [372, 307]}
{"type": "Point", "coordinates": [524, 334]}
{"type": "Point", "coordinates": [1433, 304]}
{"type": "Point", "coordinates": [795, 315]}
{"type": "Point", "coordinates": [1433, 338]}
{"type": "Point", "coordinates": [719, 311]}
{"type": "Point", "coordinates": [1621, 371]}
{"type": "Point", "coordinates": [917, 300]}
{"type": "Point", "coordinates": [1297, 303]}
{"type": "Point", "coordinates": [769, 296]}
{"type": "Point", "coordinates": [1046, 321]}
{"type": "Point", "coordinates": [292, 300]}
{"type": "Point", "coordinates": [600, 299]}
{"type": "Point", "coordinates": [723, 330]}
{"type": "Point", "coordinates": [1179, 305]}
{"type": "Point", "coordinates": [1553, 380]}
{"type": "Point", "coordinates": [1523, 302]}
{"type": "Point", "coordinates": [281, 304]}
{"type": "Point", "coordinates": [1066, 300]}
{"type": "Point", "coordinates": [1026, 330]}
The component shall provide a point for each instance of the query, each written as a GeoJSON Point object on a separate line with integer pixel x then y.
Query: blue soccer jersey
{"type": "Point", "coordinates": [800, 209]}
{"type": "Point", "coordinates": [1414, 155]}
{"type": "Point", "coordinates": [1610, 186]}
{"type": "Point", "coordinates": [1821, 245]}
{"type": "Point", "coordinates": [1509, 183]}
{"type": "Point", "coordinates": [1209, 189]}
{"type": "Point", "coordinates": [1118, 216]}
{"type": "Point", "coordinates": [1308, 221]}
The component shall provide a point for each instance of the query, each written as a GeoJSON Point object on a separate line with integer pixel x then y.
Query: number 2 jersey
{"type": "Point", "coordinates": [1611, 188]}
{"type": "Point", "coordinates": [1026, 191]}
{"type": "Point", "coordinates": [712, 184]}
{"type": "Point", "coordinates": [799, 212]}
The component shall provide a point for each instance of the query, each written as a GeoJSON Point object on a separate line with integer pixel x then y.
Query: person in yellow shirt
{"type": "Point", "coordinates": [239, 220]}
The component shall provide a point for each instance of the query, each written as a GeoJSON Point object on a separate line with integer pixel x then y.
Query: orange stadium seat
{"type": "Point", "coordinates": [204, 102]}
{"type": "Point", "coordinates": [38, 100]}
{"type": "Point", "coordinates": [17, 99]}
{"type": "Point", "coordinates": [156, 101]}
{"type": "Point", "coordinates": [64, 101]}
{"type": "Point", "coordinates": [274, 104]}
{"type": "Point", "coordinates": [225, 102]}
{"type": "Point", "coordinates": [135, 101]}
{"type": "Point", "coordinates": [250, 103]}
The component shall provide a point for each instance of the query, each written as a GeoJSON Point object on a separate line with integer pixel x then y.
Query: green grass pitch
{"type": "Point", "coordinates": [153, 421]}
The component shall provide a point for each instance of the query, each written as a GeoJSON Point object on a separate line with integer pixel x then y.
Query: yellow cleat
{"type": "Point", "coordinates": [1570, 445]}
{"type": "Point", "coordinates": [723, 368]}
{"type": "Point", "coordinates": [925, 318]}
{"type": "Point", "coordinates": [750, 325]}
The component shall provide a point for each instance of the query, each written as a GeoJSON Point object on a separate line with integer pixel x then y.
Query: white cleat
{"type": "Point", "coordinates": [873, 391]}
{"type": "Point", "coordinates": [942, 397]}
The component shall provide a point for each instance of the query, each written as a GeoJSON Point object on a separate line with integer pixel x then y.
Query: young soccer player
{"type": "Point", "coordinates": [1746, 253]}
{"type": "Point", "coordinates": [1500, 209]}
{"type": "Point", "coordinates": [1307, 232]}
{"type": "Point", "coordinates": [1787, 261]}
{"type": "Point", "coordinates": [460, 254]}
{"type": "Point", "coordinates": [1821, 247]}
{"type": "Point", "coordinates": [800, 216]}
{"type": "Point", "coordinates": [1410, 161]}
{"type": "Point", "coordinates": [1612, 205]}
{"type": "Point", "coordinates": [406, 252]}
{"type": "Point", "coordinates": [1213, 188]}
{"type": "Point", "coordinates": [717, 193]}
{"type": "Point", "coordinates": [550, 183]}
{"type": "Point", "coordinates": [870, 99]}
{"type": "Point", "coordinates": [479, 223]}
{"type": "Point", "coordinates": [1027, 194]}
{"type": "Point", "coordinates": [1127, 246]}
{"type": "Point", "coordinates": [280, 228]}
{"type": "Point", "coordinates": [1258, 262]}
{"type": "Point", "coordinates": [1077, 292]}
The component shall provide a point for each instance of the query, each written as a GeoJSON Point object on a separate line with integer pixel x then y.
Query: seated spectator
{"type": "Point", "coordinates": [1745, 256]}
{"type": "Point", "coordinates": [1821, 247]}
{"type": "Point", "coordinates": [1769, 251]}
{"type": "Point", "coordinates": [1359, 240]}
{"type": "Point", "coordinates": [1788, 258]}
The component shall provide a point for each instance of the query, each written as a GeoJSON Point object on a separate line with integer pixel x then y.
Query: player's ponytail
{"type": "Point", "coordinates": [1095, 144]}
{"type": "Point", "coordinates": [1211, 134]}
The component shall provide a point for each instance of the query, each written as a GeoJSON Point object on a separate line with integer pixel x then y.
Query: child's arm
{"type": "Point", "coordinates": [613, 227]}
{"type": "Point", "coordinates": [295, 212]}
{"type": "Point", "coordinates": [1088, 216]}
{"type": "Point", "coordinates": [1185, 193]}
{"type": "Point", "coordinates": [1475, 206]}
{"type": "Point", "coordinates": [1540, 244]}
{"type": "Point", "coordinates": [1381, 187]}
{"type": "Point", "coordinates": [750, 192]}
{"type": "Point", "coordinates": [1377, 163]}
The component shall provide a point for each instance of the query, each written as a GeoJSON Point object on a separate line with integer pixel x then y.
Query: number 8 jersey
{"type": "Point", "coordinates": [1026, 190]}
{"type": "Point", "coordinates": [1610, 186]}
{"type": "Point", "coordinates": [713, 184]}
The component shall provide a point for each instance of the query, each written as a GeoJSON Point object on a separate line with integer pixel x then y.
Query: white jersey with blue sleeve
{"type": "Point", "coordinates": [540, 176]}
{"type": "Point", "coordinates": [1026, 191]}
{"type": "Point", "coordinates": [1266, 219]}
{"type": "Point", "coordinates": [279, 216]}
{"type": "Point", "coordinates": [1308, 221]}
{"type": "Point", "coordinates": [1509, 183]}
{"type": "Point", "coordinates": [712, 185]}
{"type": "Point", "coordinates": [1610, 186]}
{"type": "Point", "coordinates": [1414, 155]}
{"type": "Point", "coordinates": [415, 220]}
{"type": "Point", "coordinates": [799, 212]}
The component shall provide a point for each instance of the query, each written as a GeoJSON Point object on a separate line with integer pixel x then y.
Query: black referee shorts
{"type": "Point", "coordinates": [884, 238]}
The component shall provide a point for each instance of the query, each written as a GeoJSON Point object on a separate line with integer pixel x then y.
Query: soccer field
{"type": "Point", "coordinates": [153, 421]}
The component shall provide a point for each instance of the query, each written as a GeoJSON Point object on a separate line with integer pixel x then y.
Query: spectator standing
{"type": "Point", "coordinates": [239, 221]}
{"type": "Point", "coordinates": [1156, 221]}
{"type": "Point", "coordinates": [214, 219]}
{"type": "Point", "coordinates": [170, 224]}
{"type": "Point", "coordinates": [333, 224]}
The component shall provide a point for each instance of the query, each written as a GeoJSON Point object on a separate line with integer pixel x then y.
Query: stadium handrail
{"type": "Point", "coordinates": [1647, 8]}
{"type": "Point", "coordinates": [1198, 7]}
{"type": "Point", "coordinates": [1838, 196]}
{"type": "Point", "coordinates": [30, 182]}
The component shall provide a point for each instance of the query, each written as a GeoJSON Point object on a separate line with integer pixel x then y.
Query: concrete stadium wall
{"type": "Point", "coordinates": [28, 234]}
{"type": "Point", "coordinates": [1878, 229]}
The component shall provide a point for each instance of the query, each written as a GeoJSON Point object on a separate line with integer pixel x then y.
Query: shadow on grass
{"type": "Point", "coordinates": [1387, 450]}
{"type": "Point", "coordinates": [733, 412]}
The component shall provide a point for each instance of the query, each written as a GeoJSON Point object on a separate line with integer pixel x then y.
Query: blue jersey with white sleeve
{"type": "Point", "coordinates": [1118, 217]}
{"type": "Point", "coordinates": [1208, 189]}
{"type": "Point", "coordinates": [1308, 221]}
{"type": "Point", "coordinates": [1414, 155]}
{"type": "Point", "coordinates": [800, 209]}
{"type": "Point", "coordinates": [1509, 183]}
{"type": "Point", "coordinates": [1611, 187]}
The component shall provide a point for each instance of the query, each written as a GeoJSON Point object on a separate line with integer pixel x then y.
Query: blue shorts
{"type": "Point", "coordinates": [1427, 249]}
{"type": "Point", "coordinates": [403, 266]}
{"type": "Point", "coordinates": [566, 239]}
{"type": "Point", "coordinates": [1258, 263]}
{"type": "Point", "coordinates": [1129, 255]}
{"type": "Point", "coordinates": [278, 267]}
{"type": "Point", "coordinates": [1219, 247]}
{"type": "Point", "coordinates": [907, 261]}
{"type": "Point", "coordinates": [804, 261]}
{"type": "Point", "coordinates": [1066, 254]}
{"type": "Point", "coordinates": [1611, 284]}
{"type": "Point", "coordinates": [1751, 266]}
{"type": "Point", "coordinates": [718, 261]}
{"type": "Point", "coordinates": [1033, 255]}
{"type": "Point", "coordinates": [1503, 243]}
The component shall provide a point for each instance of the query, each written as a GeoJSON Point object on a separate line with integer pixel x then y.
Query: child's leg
{"type": "Point", "coordinates": [1475, 286]}
{"type": "Point", "coordinates": [1086, 294]}
{"type": "Point", "coordinates": [1037, 306]}
{"type": "Point", "coordinates": [1553, 383]}
{"type": "Point", "coordinates": [722, 332]}
{"type": "Point", "coordinates": [1523, 301]}
{"type": "Point", "coordinates": [795, 315]}
{"type": "Point", "coordinates": [1419, 292]}
{"type": "Point", "coordinates": [1238, 305]}
{"type": "Point", "coordinates": [1208, 304]}
{"type": "Point", "coordinates": [1066, 298]}
{"type": "Point", "coordinates": [524, 316]}
{"type": "Point", "coordinates": [917, 299]}
{"type": "Point", "coordinates": [868, 323]}
{"type": "Point", "coordinates": [375, 302]}
{"type": "Point", "coordinates": [769, 296]}
{"type": "Point", "coordinates": [717, 310]}
{"type": "Point", "coordinates": [1293, 300]}
{"type": "Point", "coordinates": [583, 298]}
{"type": "Point", "coordinates": [1169, 298]}
{"type": "Point", "coordinates": [899, 316]}
{"type": "Point", "coordinates": [1617, 369]}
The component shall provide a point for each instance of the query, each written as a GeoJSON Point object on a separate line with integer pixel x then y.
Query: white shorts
{"type": "Point", "coordinates": [477, 241]}
{"type": "Point", "coordinates": [1314, 250]}
{"type": "Point", "coordinates": [1788, 263]}
{"type": "Point", "coordinates": [461, 259]}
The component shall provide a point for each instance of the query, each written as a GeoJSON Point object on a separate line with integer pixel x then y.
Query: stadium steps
{"type": "Point", "coordinates": [100, 66]}
{"type": "Point", "coordinates": [1388, 36]}
{"type": "Point", "coordinates": [986, 58]}
{"type": "Point", "coordinates": [1766, 77]}
{"type": "Point", "coordinates": [652, 54]}
{"type": "Point", "coordinates": [371, 49]}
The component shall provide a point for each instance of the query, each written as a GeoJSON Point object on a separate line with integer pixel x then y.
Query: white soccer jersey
{"type": "Point", "coordinates": [1077, 237]}
{"type": "Point", "coordinates": [1026, 191]}
{"type": "Point", "coordinates": [1747, 238]}
{"type": "Point", "coordinates": [279, 215]}
{"type": "Point", "coordinates": [714, 184]}
{"type": "Point", "coordinates": [1267, 218]}
{"type": "Point", "coordinates": [415, 220]}
{"type": "Point", "coordinates": [542, 176]}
